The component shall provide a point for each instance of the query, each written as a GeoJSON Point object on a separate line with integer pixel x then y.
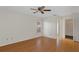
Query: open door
{"type": "Point", "coordinates": [64, 27]}
{"type": "Point", "coordinates": [69, 29]}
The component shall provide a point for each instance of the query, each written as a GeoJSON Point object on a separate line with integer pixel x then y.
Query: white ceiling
{"type": "Point", "coordinates": [57, 10]}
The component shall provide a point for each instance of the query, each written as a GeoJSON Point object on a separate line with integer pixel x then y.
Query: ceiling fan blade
{"type": "Point", "coordinates": [33, 9]}
{"type": "Point", "coordinates": [42, 12]}
{"type": "Point", "coordinates": [35, 12]}
{"type": "Point", "coordinates": [47, 10]}
{"type": "Point", "coordinates": [41, 8]}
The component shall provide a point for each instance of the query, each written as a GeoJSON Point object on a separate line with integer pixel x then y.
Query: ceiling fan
{"type": "Point", "coordinates": [40, 9]}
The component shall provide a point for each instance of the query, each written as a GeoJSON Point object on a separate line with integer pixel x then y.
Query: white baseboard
{"type": "Point", "coordinates": [16, 41]}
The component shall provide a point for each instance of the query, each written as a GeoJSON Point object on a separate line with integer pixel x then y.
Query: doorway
{"type": "Point", "coordinates": [69, 29]}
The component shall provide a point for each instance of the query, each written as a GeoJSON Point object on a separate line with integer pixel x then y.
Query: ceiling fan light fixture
{"type": "Point", "coordinates": [40, 9]}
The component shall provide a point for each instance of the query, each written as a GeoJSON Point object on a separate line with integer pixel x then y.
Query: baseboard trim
{"type": "Point", "coordinates": [49, 37]}
{"type": "Point", "coordinates": [20, 41]}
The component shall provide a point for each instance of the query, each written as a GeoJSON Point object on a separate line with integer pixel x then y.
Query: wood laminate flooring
{"type": "Point", "coordinates": [42, 44]}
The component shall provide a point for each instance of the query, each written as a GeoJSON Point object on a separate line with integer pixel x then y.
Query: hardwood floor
{"type": "Point", "coordinates": [42, 44]}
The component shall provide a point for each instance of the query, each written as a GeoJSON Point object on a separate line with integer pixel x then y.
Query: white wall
{"type": "Point", "coordinates": [76, 27]}
{"type": "Point", "coordinates": [16, 27]}
{"type": "Point", "coordinates": [50, 27]}
{"type": "Point", "coordinates": [61, 27]}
